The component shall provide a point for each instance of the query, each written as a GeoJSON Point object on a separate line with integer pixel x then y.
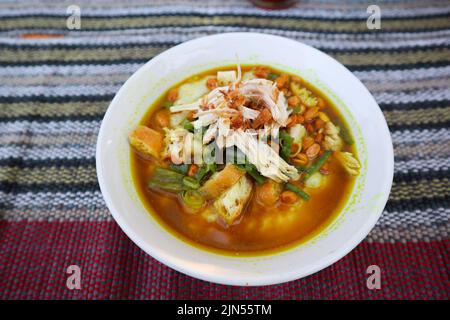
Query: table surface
{"type": "Point", "coordinates": [55, 85]}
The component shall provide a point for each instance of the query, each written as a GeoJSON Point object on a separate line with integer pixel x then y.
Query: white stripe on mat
{"type": "Point", "coordinates": [422, 165]}
{"type": "Point", "coordinates": [50, 127]}
{"type": "Point", "coordinates": [353, 40]}
{"type": "Point", "coordinates": [36, 200]}
{"type": "Point", "coordinates": [417, 135]}
{"type": "Point", "coordinates": [25, 152]}
{"type": "Point", "coordinates": [177, 36]}
{"type": "Point", "coordinates": [407, 218]}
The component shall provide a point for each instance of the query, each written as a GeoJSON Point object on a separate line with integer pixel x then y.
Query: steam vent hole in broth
{"type": "Point", "coordinates": [289, 160]}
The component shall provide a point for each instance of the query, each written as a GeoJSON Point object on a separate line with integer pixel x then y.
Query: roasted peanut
{"type": "Point", "coordinates": [172, 96]}
{"type": "Point", "coordinates": [324, 169]}
{"type": "Point", "coordinates": [211, 83]}
{"type": "Point", "coordinates": [162, 118]}
{"type": "Point", "coordinates": [292, 120]}
{"type": "Point", "coordinates": [318, 123]}
{"type": "Point", "coordinates": [288, 197]}
{"type": "Point", "coordinates": [261, 72]}
{"type": "Point", "coordinates": [313, 151]}
{"type": "Point", "coordinates": [300, 159]}
{"type": "Point", "coordinates": [293, 101]}
{"type": "Point", "coordinates": [321, 103]}
{"type": "Point", "coordinates": [307, 142]}
{"type": "Point", "coordinates": [319, 137]}
{"type": "Point", "coordinates": [311, 113]}
{"type": "Point", "coordinates": [282, 81]}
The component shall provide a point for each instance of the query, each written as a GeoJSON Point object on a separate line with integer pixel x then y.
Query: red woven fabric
{"type": "Point", "coordinates": [35, 256]}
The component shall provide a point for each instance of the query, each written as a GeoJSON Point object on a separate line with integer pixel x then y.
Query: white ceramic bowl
{"type": "Point", "coordinates": [357, 105]}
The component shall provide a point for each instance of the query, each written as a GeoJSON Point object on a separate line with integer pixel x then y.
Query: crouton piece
{"type": "Point", "coordinates": [221, 181]}
{"type": "Point", "coordinates": [146, 141]}
{"type": "Point", "coordinates": [332, 140]}
{"type": "Point", "coordinates": [348, 161]}
{"type": "Point", "coordinates": [306, 96]}
{"type": "Point", "coordinates": [231, 204]}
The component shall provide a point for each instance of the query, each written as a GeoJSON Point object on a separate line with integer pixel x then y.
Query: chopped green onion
{"type": "Point", "coordinates": [319, 163]}
{"type": "Point", "coordinates": [191, 183]}
{"type": "Point", "coordinates": [301, 169]}
{"type": "Point", "coordinates": [180, 168]}
{"type": "Point", "coordinates": [201, 172]}
{"type": "Point", "coordinates": [167, 180]}
{"type": "Point", "coordinates": [286, 144]}
{"type": "Point", "coordinates": [272, 76]}
{"type": "Point", "coordinates": [188, 125]}
{"type": "Point", "coordinates": [254, 173]}
{"type": "Point", "coordinates": [204, 170]}
{"type": "Point", "coordinates": [297, 109]}
{"type": "Point", "coordinates": [302, 194]}
{"type": "Point", "coordinates": [212, 167]}
{"type": "Point", "coordinates": [167, 104]}
{"type": "Point", "coordinates": [193, 199]}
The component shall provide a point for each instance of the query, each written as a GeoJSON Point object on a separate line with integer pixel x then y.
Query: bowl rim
{"type": "Point", "coordinates": [169, 259]}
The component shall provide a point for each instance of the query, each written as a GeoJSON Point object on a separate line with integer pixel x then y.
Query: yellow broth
{"type": "Point", "coordinates": [260, 230]}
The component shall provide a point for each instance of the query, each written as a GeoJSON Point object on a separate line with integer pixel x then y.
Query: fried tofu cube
{"type": "Point", "coordinates": [232, 202]}
{"type": "Point", "coordinates": [221, 181]}
{"type": "Point", "coordinates": [147, 141]}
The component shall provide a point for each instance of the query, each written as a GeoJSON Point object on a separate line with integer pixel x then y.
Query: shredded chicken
{"type": "Point", "coordinates": [250, 114]}
{"type": "Point", "coordinates": [235, 106]}
{"type": "Point", "coordinates": [266, 160]}
{"type": "Point", "coordinates": [218, 101]}
{"type": "Point", "coordinates": [266, 91]}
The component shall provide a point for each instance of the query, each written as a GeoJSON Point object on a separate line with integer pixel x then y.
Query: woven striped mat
{"type": "Point", "coordinates": [55, 85]}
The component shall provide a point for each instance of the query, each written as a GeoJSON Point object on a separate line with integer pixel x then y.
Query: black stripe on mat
{"type": "Point", "coordinates": [267, 14]}
{"type": "Point", "coordinates": [62, 163]}
{"type": "Point", "coordinates": [414, 105]}
{"type": "Point", "coordinates": [421, 204]}
{"type": "Point", "coordinates": [168, 44]}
